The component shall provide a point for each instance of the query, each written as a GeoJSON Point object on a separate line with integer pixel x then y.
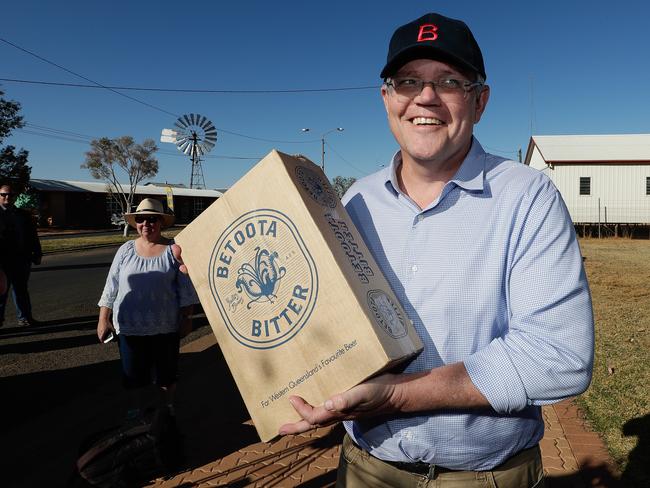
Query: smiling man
{"type": "Point", "coordinates": [482, 253]}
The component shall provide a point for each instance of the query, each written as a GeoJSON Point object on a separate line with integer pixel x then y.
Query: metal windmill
{"type": "Point", "coordinates": [194, 135]}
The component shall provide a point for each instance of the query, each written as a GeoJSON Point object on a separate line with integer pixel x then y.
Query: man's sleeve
{"type": "Point", "coordinates": [547, 353]}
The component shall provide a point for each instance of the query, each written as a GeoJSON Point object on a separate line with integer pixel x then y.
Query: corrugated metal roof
{"type": "Point", "coordinates": [97, 187]}
{"type": "Point", "coordinates": [610, 148]}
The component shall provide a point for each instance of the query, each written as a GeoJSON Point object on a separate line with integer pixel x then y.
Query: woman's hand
{"type": "Point", "coordinates": [176, 251]}
{"type": "Point", "coordinates": [104, 325]}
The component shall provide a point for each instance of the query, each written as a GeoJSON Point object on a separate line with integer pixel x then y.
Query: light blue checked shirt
{"type": "Point", "coordinates": [491, 275]}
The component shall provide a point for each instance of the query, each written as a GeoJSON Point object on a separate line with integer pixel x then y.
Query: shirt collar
{"type": "Point", "coordinates": [470, 176]}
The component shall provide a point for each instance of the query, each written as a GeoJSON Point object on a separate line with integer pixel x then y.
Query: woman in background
{"type": "Point", "coordinates": [151, 302]}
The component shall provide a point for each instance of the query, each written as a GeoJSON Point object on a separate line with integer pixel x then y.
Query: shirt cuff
{"type": "Point", "coordinates": [493, 373]}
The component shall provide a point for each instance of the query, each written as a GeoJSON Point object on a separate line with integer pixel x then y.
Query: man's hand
{"type": "Point", "coordinates": [176, 250]}
{"type": "Point", "coordinates": [446, 387]}
{"type": "Point", "coordinates": [377, 396]}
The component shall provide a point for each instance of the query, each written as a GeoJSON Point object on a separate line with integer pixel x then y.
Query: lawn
{"type": "Point", "coordinates": [619, 276]}
{"type": "Point", "coordinates": [89, 241]}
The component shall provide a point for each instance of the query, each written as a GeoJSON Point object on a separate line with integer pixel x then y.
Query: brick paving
{"type": "Point", "coordinates": [224, 449]}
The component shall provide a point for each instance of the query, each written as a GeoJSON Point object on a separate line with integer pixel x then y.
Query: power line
{"type": "Point", "coordinates": [54, 136]}
{"type": "Point", "coordinates": [194, 90]}
{"type": "Point", "coordinates": [99, 85]}
{"type": "Point", "coordinates": [345, 160]}
{"type": "Point", "coordinates": [85, 78]}
{"type": "Point", "coordinates": [64, 135]}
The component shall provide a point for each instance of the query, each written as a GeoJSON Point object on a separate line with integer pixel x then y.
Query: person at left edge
{"type": "Point", "coordinates": [20, 249]}
{"type": "Point", "coordinates": [151, 302]}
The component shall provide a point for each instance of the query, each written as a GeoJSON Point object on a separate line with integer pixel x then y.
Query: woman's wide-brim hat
{"type": "Point", "coordinates": [150, 206]}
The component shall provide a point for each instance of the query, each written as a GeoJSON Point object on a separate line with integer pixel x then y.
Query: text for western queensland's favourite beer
{"type": "Point", "coordinates": [263, 279]}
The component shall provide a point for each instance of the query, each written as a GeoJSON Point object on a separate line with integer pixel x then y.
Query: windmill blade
{"type": "Point", "coordinates": [192, 119]}
{"type": "Point", "coordinates": [185, 146]}
{"type": "Point", "coordinates": [187, 121]}
{"type": "Point", "coordinates": [182, 140]}
{"type": "Point", "coordinates": [180, 123]}
{"type": "Point", "coordinates": [180, 127]}
{"type": "Point", "coordinates": [203, 123]}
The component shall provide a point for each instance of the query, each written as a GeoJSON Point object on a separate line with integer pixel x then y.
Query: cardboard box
{"type": "Point", "coordinates": [295, 299]}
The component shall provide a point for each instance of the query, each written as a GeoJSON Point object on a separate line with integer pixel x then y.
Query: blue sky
{"type": "Point", "coordinates": [554, 67]}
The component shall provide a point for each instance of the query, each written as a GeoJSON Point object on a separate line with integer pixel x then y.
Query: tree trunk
{"type": "Point", "coordinates": [126, 230]}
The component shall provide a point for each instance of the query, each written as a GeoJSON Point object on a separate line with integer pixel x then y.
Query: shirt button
{"type": "Point", "coordinates": [414, 268]}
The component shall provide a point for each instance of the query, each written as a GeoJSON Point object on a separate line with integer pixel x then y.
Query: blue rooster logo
{"type": "Point", "coordinates": [261, 279]}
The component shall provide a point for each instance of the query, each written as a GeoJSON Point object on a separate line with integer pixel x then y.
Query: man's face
{"type": "Point", "coordinates": [430, 128]}
{"type": "Point", "coordinates": [6, 196]}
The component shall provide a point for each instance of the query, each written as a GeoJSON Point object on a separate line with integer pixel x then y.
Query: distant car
{"type": "Point", "coordinates": [118, 219]}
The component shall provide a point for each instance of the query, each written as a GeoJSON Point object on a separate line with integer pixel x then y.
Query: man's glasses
{"type": "Point", "coordinates": [447, 88]}
{"type": "Point", "coordinates": [7, 195]}
{"type": "Point", "coordinates": [151, 219]}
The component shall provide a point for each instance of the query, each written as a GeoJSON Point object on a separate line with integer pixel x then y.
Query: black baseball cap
{"type": "Point", "coordinates": [434, 36]}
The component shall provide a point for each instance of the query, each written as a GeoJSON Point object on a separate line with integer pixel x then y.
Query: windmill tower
{"type": "Point", "coordinates": [195, 136]}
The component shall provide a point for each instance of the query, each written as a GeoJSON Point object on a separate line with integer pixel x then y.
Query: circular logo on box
{"type": "Point", "coordinates": [263, 279]}
{"type": "Point", "coordinates": [387, 314]}
{"type": "Point", "coordinates": [318, 190]}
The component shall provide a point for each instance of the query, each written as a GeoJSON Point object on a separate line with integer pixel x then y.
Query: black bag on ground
{"type": "Point", "coordinates": [139, 451]}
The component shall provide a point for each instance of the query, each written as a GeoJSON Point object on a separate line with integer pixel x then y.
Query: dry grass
{"type": "Point", "coordinates": [619, 277]}
{"type": "Point", "coordinates": [85, 242]}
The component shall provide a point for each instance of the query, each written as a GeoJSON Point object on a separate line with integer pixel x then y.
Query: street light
{"type": "Point", "coordinates": [322, 143]}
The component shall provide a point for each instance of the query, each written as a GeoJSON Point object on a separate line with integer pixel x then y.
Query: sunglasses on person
{"type": "Point", "coordinates": [150, 219]}
{"type": "Point", "coordinates": [6, 195]}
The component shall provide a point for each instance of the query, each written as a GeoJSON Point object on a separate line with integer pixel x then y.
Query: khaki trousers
{"type": "Point", "coordinates": [358, 469]}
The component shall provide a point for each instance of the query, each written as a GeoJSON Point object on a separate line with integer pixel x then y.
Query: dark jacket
{"type": "Point", "coordinates": [18, 237]}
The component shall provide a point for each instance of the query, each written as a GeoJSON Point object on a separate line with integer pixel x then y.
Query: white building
{"type": "Point", "coordinates": [602, 178]}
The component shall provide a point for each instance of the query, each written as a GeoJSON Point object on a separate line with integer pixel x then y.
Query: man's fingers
{"type": "Point", "coordinates": [304, 409]}
{"type": "Point", "coordinates": [295, 428]}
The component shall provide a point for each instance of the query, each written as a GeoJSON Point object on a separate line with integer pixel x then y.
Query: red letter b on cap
{"type": "Point", "coordinates": [428, 33]}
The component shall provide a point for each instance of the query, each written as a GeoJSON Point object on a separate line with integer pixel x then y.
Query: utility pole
{"type": "Point", "coordinates": [322, 143]}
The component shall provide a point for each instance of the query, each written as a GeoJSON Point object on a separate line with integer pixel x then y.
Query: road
{"type": "Point", "coordinates": [50, 369]}
{"type": "Point", "coordinates": [64, 290]}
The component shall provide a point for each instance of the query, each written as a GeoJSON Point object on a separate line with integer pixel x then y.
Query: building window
{"type": "Point", "coordinates": [112, 205]}
{"type": "Point", "coordinates": [647, 185]}
{"type": "Point", "coordinates": [585, 185]}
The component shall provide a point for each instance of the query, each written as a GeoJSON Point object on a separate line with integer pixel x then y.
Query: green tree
{"type": "Point", "coordinates": [108, 159]}
{"type": "Point", "coordinates": [342, 183]}
{"type": "Point", "coordinates": [13, 165]}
